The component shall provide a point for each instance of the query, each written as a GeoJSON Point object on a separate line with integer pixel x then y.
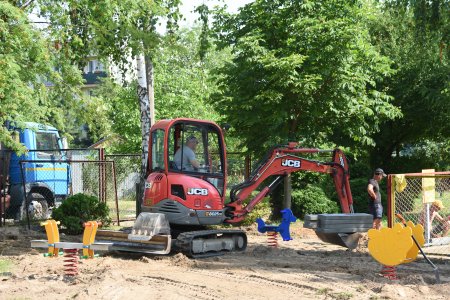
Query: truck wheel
{"type": "Point", "coordinates": [37, 208]}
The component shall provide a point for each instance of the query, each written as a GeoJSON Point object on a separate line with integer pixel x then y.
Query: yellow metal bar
{"type": "Point", "coordinates": [392, 200]}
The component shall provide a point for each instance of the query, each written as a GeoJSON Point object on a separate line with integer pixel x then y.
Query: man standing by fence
{"type": "Point", "coordinates": [375, 206]}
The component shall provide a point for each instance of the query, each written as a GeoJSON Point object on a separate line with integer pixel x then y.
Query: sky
{"type": "Point", "coordinates": [188, 6]}
{"type": "Point", "coordinates": [187, 10]}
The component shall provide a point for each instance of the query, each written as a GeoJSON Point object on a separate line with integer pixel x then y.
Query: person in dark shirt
{"type": "Point", "coordinates": [373, 189]}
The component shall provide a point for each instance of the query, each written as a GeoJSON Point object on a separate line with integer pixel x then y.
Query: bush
{"type": "Point", "coordinates": [77, 209]}
{"type": "Point", "coordinates": [312, 200]}
{"type": "Point", "coordinates": [262, 210]}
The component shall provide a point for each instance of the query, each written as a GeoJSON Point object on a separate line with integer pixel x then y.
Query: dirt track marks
{"type": "Point", "coordinates": [194, 290]}
{"type": "Point", "coordinates": [257, 280]}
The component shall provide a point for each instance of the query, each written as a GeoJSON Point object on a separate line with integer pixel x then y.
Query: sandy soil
{"type": "Point", "coordinates": [304, 268]}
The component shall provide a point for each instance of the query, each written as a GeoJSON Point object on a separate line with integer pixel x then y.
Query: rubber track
{"type": "Point", "coordinates": [184, 241]}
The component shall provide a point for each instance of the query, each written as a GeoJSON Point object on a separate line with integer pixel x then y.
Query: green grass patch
{"type": "Point", "coordinates": [5, 265]}
{"type": "Point", "coordinates": [323, 291]}
{"type": "Point", "coordinates": [342, 296]}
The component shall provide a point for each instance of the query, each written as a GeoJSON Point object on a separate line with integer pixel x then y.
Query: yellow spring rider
{"type": "Point", "coordinates": [397, 245]}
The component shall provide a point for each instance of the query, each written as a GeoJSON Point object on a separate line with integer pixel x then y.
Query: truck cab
{"type": "Point", "coordinates": [47, 178]}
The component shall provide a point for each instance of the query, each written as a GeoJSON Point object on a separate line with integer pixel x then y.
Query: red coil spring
{"type": "Point", "coordinates": [71, 262]}
{"type": "Point", "coordinates": [272, 239]}
{"type": "Point", "coordinates": [389, 272]}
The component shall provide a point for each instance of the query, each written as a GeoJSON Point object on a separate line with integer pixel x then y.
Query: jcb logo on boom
{"type": "Point", "coordinates": [290, 163]}
{"type": "Point", "coordinates": [197, 191]}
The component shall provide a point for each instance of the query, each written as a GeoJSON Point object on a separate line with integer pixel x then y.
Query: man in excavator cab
{"type": "Point", "coordinates": [184, 158]}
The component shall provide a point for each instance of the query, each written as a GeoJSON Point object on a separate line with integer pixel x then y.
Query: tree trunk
{"type": "Point", "coordinates": [150, 88]}
{"type": "Point", "coordinates": [144, 71]}
{"type": "Point", "coordinates": [287, 191]}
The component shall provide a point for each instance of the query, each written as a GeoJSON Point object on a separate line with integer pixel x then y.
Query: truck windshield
{"type": "Point", "coordinates": [47, 141]}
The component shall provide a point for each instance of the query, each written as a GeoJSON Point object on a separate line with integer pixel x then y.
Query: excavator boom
{"type": "Point", "coordinates": [282, 161]}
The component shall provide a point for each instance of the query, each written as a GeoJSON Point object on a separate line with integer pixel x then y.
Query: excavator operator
{"type": "Point", "coordinates": [185, 156]}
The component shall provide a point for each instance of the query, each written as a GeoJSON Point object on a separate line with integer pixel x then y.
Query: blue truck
{"type": "Point", "coordinates": [47, 176]}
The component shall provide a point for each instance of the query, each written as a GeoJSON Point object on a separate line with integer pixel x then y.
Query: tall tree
{"type": "Point", "coordinates": [415, 35]}
{"type": "Point", "coordinates": [302, 70]}
{"type": "Point", "coordinates": [27, 63]}
{"type": "Point", "coordinates": [116, 30]}
{"type": "Point", "coordinates": [182, 87]}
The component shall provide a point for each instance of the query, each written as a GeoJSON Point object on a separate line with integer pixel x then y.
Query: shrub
{"type": "Point", "coordinates": [262, 210]}
{"type": "Point", "coordinates": [312, 200]}
{"type": "Point", "coordinates": [77, 209]}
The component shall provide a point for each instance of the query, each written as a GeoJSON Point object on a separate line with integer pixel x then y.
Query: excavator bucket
{"type": "Point", "coordinates": [150, 234]}
{"type": "Point", "coordinates": [339, 229]}
{"type": "Point", "coordinates": [148, 225]}
{"type": "Point", "coordinates": [346, 240]}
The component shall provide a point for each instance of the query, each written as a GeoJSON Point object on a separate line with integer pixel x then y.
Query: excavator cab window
{"type": "Point", "coordinates": [158, 150]}
{"type": "Point", "coordinates": [199, 142]}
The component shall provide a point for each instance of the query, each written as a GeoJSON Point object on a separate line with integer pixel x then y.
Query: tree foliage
{"type": "Point", "coordinates": [27, 63]}
{"type": "Point", "coordinates": [116, 30]}
{"type": "Point", "coordinates": [416, 37]}
{"type": "Point", "coordinates": [302, 70]}
{"type": "Point", "coordinates": [181, 90]}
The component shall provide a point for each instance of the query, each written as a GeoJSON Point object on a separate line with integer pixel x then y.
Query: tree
{"type": "Point", "coordinates": [182, 87]}
{"type": "Point", "coordinates": [415, 35]}
{"type": "Point", "coordinates": [302, 70]}
{"type": "Point", "coordinates": [27, 62]}
{"type": "Point", "coordinates": [115, 30]}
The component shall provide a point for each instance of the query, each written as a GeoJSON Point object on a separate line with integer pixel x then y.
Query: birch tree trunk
{"type": "Point", "coordinates": [145, 76]}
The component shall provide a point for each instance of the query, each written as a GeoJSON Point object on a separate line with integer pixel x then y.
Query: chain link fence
{"type": "Point", "coordinates": [5, 198]}
{"type": "Point", "coordinates": [127, 175]}
{"type": "Point", "coordinates": [46, 183]}
{"type": "Point", "coordinates": [11, 181]}
{"type": "Point", "coordinates": [423, 198]}
{"type": "Point", "coordinates": [53, 175]}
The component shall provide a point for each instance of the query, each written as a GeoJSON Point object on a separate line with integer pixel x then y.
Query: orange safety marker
{"type": "Point", "coordinates": [51, 229]}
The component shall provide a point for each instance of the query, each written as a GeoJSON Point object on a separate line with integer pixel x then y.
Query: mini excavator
{"type": "Point", "coordinates": [188, 199]}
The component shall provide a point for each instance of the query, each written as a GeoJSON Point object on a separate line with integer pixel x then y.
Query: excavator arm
{"type": "Point", "coordinates": [280, 162]}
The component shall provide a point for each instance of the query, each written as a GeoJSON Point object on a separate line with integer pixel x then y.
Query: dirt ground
{"type": "Point", "coordinates": [304, 268]}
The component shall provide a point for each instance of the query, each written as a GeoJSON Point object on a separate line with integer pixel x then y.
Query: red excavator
{"type": "Point", "coordinates": [192, 195]}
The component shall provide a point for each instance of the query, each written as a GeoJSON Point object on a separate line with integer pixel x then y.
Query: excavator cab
{"type": "Point", "coordinates": [187, 172]}
{"type": "Point", "coordinates": [205, 142]}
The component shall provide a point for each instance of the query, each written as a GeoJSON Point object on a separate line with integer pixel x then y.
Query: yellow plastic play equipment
{"type": "Point", "coordinates": [398, 245]}
{"type": "Point", "coordinates": [90, 230]}
{"type": "Point", "coordinates": [51, 229]}
{"type": "Point", "coordinates": [394, 246]}
{"type": "Point", "coordinates": [70, 249]}
{"type": "Point", "coordinates": [54, 244]}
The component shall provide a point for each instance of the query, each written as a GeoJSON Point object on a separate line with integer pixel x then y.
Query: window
{"type": "Point", "coordinates": [99, 67]}
{"type": "Point", "coordinates": [47, 141]}
{"type": "Point", "coordinates": [199, 142]}
{"type": "Point", "coordinates": [91, 67]}
{"type": "Point", "coordinates": [158, 150]}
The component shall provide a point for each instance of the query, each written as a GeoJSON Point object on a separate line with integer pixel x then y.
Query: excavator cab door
{"type": "Point", "coordinates": [202, 141]}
